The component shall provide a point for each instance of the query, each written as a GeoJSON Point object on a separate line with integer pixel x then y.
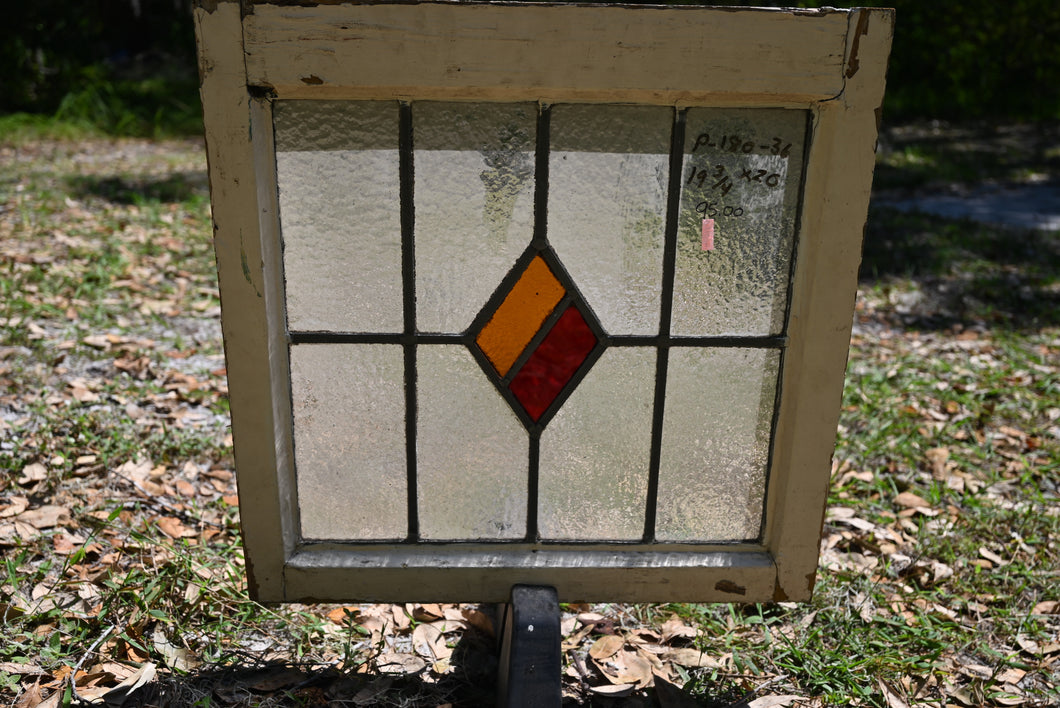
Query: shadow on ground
{"type": "Point", "coordinates": [251, 682]}
{"type": "Point", "coordinates": [962, 274]}
{"type": "Point", "coordinates": [169, 189]}
{"type": "Point", "coordinates": [472, 684]}
{"type": "Point", "coordinates": [935, 155]}
{"type": "Point", "coordinates": [944, 272]}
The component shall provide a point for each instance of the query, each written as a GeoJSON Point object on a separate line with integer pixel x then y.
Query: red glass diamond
{"type": "Point", "coordinates": [553, 363]}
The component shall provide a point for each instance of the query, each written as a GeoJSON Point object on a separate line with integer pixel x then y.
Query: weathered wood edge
{"type": "Point", "coordinates": [455, 574]}
{"type": "Point", "coordinates": [835, 206]}
{"type": "Point", "coordinates": [265, 511]}
{"type": "Point", "coordinates": [671, 55]}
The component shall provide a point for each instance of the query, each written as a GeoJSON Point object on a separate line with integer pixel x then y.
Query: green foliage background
{"type": "Point", "coordinates": [978, 59]}
{"type": "Point", "coordinates": [128, 66]}
{"type": "Point", "coordinates": [122, 66]}
{"type": "Point", "coordinates": [967, 60]}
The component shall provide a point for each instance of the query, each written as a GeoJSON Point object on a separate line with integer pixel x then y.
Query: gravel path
{"type": "Point", "coordinates": [1027, 206]}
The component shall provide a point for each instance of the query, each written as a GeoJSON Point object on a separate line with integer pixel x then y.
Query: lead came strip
{"type": "Point", "coordinates": [408, 269]}
{"type": "Point", "coordinates": [673, 205]}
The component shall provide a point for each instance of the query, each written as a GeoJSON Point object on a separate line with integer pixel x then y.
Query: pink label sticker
{"type": "Point", "coordinates": [708, 234]}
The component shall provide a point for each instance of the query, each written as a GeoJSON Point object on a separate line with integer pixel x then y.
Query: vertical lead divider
{"type": "Point", "coordinates": [542, 149]}
{"type": "Point", "coordinates": [836, 197]}
{"type": "Point", "coordinates": [407, 182]}
{"type": "Point", "coordinates": [673, 220]}
{"type": "Point", "coordinates": [255, 350]}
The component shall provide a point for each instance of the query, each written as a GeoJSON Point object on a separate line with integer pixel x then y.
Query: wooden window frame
{"type": "Point", "coordinates": [828, 62]}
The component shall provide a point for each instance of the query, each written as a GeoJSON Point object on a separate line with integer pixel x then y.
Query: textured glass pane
{"type": "Point", "coordinates": [472, 451]}
{"type": "Point", "coordinates": [607, 208]}
{"type": "Point", "coordinates": [349, 440]}
{"type": "Point", "coordinates": [742, 170]}
{"type": "Point", "coordinates": [337, 173]}
{"type": "Point", "coordinates": [474, 205]}
{"type": "Point", "coordinates": [715, 444]}
{"type": "Point", "coordinates": [595, 452]}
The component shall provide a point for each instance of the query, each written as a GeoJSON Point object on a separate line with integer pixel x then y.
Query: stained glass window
{"type": "Point", "coordinates": [533, 323]}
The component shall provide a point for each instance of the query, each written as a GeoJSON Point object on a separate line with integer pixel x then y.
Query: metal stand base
{"type": "Point", "coordinates": [529, 673]}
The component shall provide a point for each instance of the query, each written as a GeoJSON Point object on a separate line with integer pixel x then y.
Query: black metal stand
{"type": "Point", "coordinates": [529, 673]}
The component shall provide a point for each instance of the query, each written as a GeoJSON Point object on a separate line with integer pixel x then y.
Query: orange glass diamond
{"type": "Point", "coordinates": [527, 305]}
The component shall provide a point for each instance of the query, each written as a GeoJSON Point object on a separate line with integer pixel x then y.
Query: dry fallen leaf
{"type": "Point", "coordinates": [402, 621]}
{"type": "Point", "coordinates": [14, 507]}
{"type": "Point", "coordinates": [657, 666]}
{"type": "Point", "coordinates": [10, 667]}
{"type": "Point", "coordinates": [938, 457]}
{"type": "Point", "coordinates": [479, 620]}
{"type": "Point", "coordinates": [80, 391]}
{"type": "Point", "coordinates": [428, 639]}
{"type": "Point", "coordinates": [911, 501]}
{"type": "Point", "coordinates": [34, 472]}
{"type": "Point", "coordinates": [773, 701]}
{"type": "Point", "coordinates": [427, 613]}
{"type": "Point", "coordinates": [1011, 697]}
{"type": "Point", "coordinates": [30, 698]}
{"type": "Point", "coordinates": [174, 528]}
{"type": "Point", "coordinates": [677, 628]}
{"type": "Point", "coordinates": [45, 517]}
{"type": "Point", "coordinates": [141, 678]}
{"type": "Point", "coordinates": [992, 557]}
{"type": "Point", "coordinates": [614, 690]}
{"type": "Point", "coordinates": [605, 646]}
{"type": "Point", "coordinates": [891, 695]}
{"type": "Point", "coordinates": [692, 658]}
{"type": "Point", "coordinates": [375, 625]}
{"type": "Point", "coordinates": [119, 671]}
{"type": "Point", "coordinates": [97, 341]}
{"type": "Point", "coordinates": [339, 615]}
{"type": "Point", "coordinates": [1011, 675]}
{"type": "Point", "coordinates": [643, 635]}
{"type": "Point", "coordinates": [65, 544]}
{"type": "Point", "coordinates": [631, 668]}
{"type": "Point", "coordinates": [846, 515]}
{"type": "Point", "coordinates": [175, 656]}
{"type": "Point", "coordinates": [394, 663]}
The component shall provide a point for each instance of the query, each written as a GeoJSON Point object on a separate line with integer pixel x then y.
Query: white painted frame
{"type": "Point", "coordinates": [829, 62]}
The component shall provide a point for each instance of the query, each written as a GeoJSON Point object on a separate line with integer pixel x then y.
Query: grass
{"type": "Point", "coordinates": [155, 98]}
{"type": "Point", "coordinates": [939, 556]}
{"type": "Point", "coordinates": [111, 369]}
{"type": "Point", "coordinates": [22, 128]}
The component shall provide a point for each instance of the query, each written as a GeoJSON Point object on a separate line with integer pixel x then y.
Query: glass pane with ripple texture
{"type": "Point", "coordinates": [607, 208]}
{"type": "Point", "coordinates": [349, 440]}
{"type": "Point", "coordinates": [472, 451]}
{"type": "Point", "coordinates": [595, 453]}
{"type": "Point", "coordinates": [337, 177]}
{"type": "Point", "coordinates": [474, 204]}
{"type": "Point", "coordinates": [732, 178]}
{"type": "Point", "coordinates": [715, 443]}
